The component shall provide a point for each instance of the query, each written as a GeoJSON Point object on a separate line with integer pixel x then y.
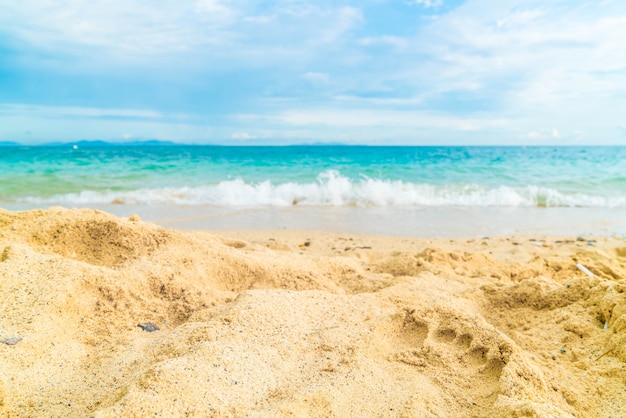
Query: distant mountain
{"type": "Point", "coordinates": [96, 143]}
{"type": "Point", "coordinates": [151, 142]}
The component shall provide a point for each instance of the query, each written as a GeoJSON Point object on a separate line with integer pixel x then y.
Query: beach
{"type": "Point", "coordinates": [110, 316]}
{"type": "Point", "coordinates": [398, 209]}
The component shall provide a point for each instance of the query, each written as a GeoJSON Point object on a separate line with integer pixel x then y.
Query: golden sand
{"type": "Point", "coordinates": [304, 324]}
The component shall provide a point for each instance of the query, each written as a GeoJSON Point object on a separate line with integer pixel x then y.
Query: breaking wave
{"type": "Point", "coordinates": [333, 189]}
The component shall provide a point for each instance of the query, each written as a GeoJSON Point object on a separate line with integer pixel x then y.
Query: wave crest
{"type": "Point", "coordinates": [333, 189]}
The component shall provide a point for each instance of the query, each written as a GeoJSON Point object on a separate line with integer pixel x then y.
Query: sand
{"type": "Point", "coordinates": [289, 323]}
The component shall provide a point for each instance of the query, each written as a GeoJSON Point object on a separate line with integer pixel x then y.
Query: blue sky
{"type": "Point", "coordinates": [293, 71]}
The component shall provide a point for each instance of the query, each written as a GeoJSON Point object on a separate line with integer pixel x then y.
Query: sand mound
{"type": "Point", "coordinates": [98, 239]}
{"type": "Point", "coordinates": [282, 324]}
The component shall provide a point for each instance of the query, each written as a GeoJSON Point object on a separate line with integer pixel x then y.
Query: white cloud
{"type": "Point", "coordinates": [241, 136]}
{"type": "Point", "coordinates": [338, 22]}
{"type": "Point", "coordinates": [533, 135]}
{"type": "Point", "coordinates": [389, 40]}
{"type": "Point", "coordinates": [470, 126]}
{"type": "Point", "coordinates": [213, 8]}
{"type": "Point", "coordinates": [535, 41]}
{"type": "Point", "coordinates": [132, 27]}
{"type": "Point", "coordinates": [342, 117]}
{"type": "Point", "coordinates": [380, 126]}
{"type": "Point", "coordinates": [531, 64]}
{"type": "Point", "coordinates": [380, 101]}
{"type": "Point", "coordinates": [519, 17]}
{"type": "Point", "coordinates": [213, 33]}
{"type": "Point", "coordinates": [429, 3]}
{"type": "Point", "coordinates": [554, 64]}
{"type": "Point", "coordinates": [303, 24]}
{"type": "Point", "coordinates": [317, 79]}
{"type": "Point", "coordinates": [542, 134]}
{"type": "Point", "coordinates": [259, 19]}
{"type": "Point", "coordinates": [89, 112]}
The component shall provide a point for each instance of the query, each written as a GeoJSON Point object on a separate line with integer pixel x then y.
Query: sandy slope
{"type": "Point", "coordinates": [304, 324]}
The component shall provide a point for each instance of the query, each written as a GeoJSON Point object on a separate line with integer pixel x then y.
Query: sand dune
{"type": "Point", "coordinates": [304, 324]}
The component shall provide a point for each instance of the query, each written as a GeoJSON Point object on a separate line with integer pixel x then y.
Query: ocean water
{"type": "Point", "coordinates": [249, 186]}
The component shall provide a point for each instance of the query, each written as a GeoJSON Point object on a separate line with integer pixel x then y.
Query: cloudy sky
{"type": "Point", "coordinates": [293, 71]}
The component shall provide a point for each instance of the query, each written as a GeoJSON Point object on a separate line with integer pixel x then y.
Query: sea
{"type": "Point", "coordinates": [413, 191]}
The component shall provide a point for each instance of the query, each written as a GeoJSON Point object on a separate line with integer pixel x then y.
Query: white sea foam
{"type": "Point", "coordinates": [333, 189]}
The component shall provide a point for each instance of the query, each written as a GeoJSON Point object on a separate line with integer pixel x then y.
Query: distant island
{"type": "Point", "coordinates": [87, 143]}
{"type": "Point", "coordinates": [159, 143]}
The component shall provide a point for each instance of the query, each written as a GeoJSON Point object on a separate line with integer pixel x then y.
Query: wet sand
{"type": "Point", "coordinates": [304, 323]}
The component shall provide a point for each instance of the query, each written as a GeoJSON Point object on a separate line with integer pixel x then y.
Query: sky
{"type": "Point", "coordinates": [414, 72]}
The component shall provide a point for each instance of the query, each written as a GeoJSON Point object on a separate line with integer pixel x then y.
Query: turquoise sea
{"type": "Point", "coordinates": [217, 184]}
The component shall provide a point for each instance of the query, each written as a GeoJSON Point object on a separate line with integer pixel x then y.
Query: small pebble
{"type": "Point", "coordinates": [11, 340]}
{"type": "Point", "coordinates": [148, 326]}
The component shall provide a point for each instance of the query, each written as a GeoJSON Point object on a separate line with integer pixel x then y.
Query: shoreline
{"type": "Point", "coordinates": [420, 222]}
{"type": "Point", "coordinates": [311, 323]}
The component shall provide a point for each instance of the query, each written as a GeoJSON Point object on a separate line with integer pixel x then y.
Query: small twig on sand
{"type": "Point", "coordinates": [584, 270]}
{"type": "Point", "coordinates": [605, 353]}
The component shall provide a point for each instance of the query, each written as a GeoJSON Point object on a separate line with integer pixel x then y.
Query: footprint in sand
{"type": "Point", "coordinates": [461, 352]}
{"type": "Point", "coordinates": [460, 345]}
